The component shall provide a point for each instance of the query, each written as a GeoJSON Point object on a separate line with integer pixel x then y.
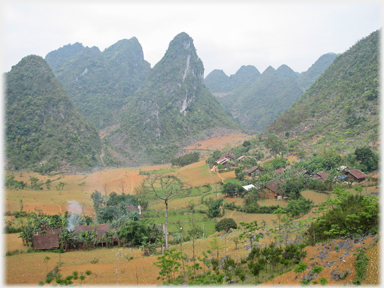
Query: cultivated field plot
{"type": "Point", "coordinates": [316, 197]}
{"type": "Point", "coordinates": [373, 269]}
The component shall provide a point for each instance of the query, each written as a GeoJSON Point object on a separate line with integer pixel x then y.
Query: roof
{"type": "Point", "coordinates": [253, 169]}
{"type": "Point", "coordinates": [249, 187]}
{"type": "Point", "coordinates": [279, 171]}
{"type": "Point", "coordinates": [358, 174]}
{"type": "Point", "coordinates": [222, 161]}
{"type": "Point", "coordinates": [243, 157]}
{"type": "Point", "coordinates": [274, 186]}
{"type": "Point", "coordinates": [100, 229]}
{"type": "Point", "coordinates": [49, 231]}
{"type": "Point", "coordinates": [321, 175]}
{"type": "Point", "coordinates": [134, 208]}
{"type": "Point", "coordinates": [44, 242]}
{"type": "Point", "coordinates": [304, 172]}
{"type": "Point", "coordinates": [227, 155]}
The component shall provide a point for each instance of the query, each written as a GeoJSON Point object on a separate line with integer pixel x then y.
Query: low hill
{"type": "Point", "coordinates": [343, 103]}
{"type": "Point", "coordinates": [258, 103]}
{"type": "Point", "coordinates": [44, 131]}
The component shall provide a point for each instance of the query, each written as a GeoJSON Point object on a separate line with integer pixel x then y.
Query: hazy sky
{"type": "Point", "coordinates": [226, 36]}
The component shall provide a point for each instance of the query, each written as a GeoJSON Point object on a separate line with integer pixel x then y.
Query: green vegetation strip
{"type": "Point", "coordinates": [361, 265]}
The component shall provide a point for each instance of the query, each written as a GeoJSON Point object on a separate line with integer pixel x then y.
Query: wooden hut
{"type": "Point", "coordinates": [45, 242]}
{"type": "Point", "coordinates": [356, 175]}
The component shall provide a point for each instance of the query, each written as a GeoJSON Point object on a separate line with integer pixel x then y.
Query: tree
{"type": "Point", "coordinates": [274, 143]}
{"type": "Point", "coordinates": [279, 212]}
{"type": "Point", "coordinates": [169, 264]}
{"type": "Point", "coordinates": [368, 159]}
{"type": "Point", "coordinates": [225, 224]}
{"type": "Point", "coordinates": [97, 199]}
{"type": "Point", "coordinates": [165, 188]}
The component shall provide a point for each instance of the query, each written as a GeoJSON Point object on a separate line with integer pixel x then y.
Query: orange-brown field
{"type": "Point", "coordinates": [219, 142]}
{"type": "Point", "coordinates": [29, 268]}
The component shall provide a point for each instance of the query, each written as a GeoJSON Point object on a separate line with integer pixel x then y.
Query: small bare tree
{"type": "Point", "coordinates": [165, 188]}
{"type": "Point", "coordinates": [122, 186]}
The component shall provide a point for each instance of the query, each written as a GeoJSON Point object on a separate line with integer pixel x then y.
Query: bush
{"type": "Point", "coordinates": [323, 281]}
{"type": "Point", "coordinates": [317, 269]}
{"type": "Point", "coordinates": [225, 224]}
{"type": "Point", "coordinates": [300, 267]}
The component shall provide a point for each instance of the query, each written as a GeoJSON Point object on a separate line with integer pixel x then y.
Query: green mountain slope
{"type": "Point", "coordinates": [309, 77]}
{"type": "Point", "coordinates": [258, 103]}
{"type": "Point", "coordinates": [256, 100]}
{"type": "Point", "coordinates": [44, 131]}
{"type": "Point", "coordinates": [100, 83]}
{"type": "Point", "coordinates": [343, 104]}
{"type": "Point", "coordinates": [171, 106]}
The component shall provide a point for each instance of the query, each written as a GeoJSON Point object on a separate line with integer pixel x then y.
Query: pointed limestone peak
{"type": "Point", "coordinates": [130, 46]}
{"type": "Point", "coordinates": [285, 72]}
{"type": "Point", "coordinates": [181, 62]}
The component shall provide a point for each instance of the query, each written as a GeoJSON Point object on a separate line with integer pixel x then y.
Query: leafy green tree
{"type": "Point", "coordinates": [367, 158]}
{"type": "Point", "coordinates": [135, 232]}
{"type": "Point", "coordinates": [225, 225]}
{"type": "Point", "coordinates": [169, 265]}
{"type": "Point", "coordinates": [279, 212]}
{"type": "Point", "coordinates": [275, 144]}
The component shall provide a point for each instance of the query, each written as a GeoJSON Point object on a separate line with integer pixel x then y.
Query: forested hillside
{"type": "Point", "coordinates": [342, 105]}
{"type": "Point", "coordinates": [100, 83]}
{"type": "Point", "coordinates": [44, 131]}
{"type": "Point", "coordinates": [307, 78]}
{"type": "Point", "coordinates": [258, 103]}
{"type": "Point", "coordinates": [170, 106]}
{"type": "Point", "coordinates": [257, 99]}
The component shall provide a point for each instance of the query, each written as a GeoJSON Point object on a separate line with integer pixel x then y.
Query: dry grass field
{"type": "Point", "coordinates": [219, 142]}
{"type": "Point", "coordinates": [374, 267]}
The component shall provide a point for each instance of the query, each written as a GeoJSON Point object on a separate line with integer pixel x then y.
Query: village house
{"type": "Point", "coordinates": [356, 175]}
{"type": "Point", "coordinates": [134, 208]}
{"type": "Point", "coordinates": [273, 190]}
{"type": "Point", "coordinates": [305, 172]}
{"type": "Point", "coordinates": [49, 239]}
{"type": "Point", "coordinates": [320, 176]}
{"type": "Point", "coordinates": [226, 156]}
{"type": "Point", "coordinates": [241, 158]}
{"type": "Point", "coordinates": [279, 171]}
{"type": "Point", "coordinates": [254, 169]}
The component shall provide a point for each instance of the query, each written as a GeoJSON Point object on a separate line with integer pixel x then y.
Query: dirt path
{"type": "Point", "coordinates": [230, 216]}
{"type": "Point", "coordinates": [218, 174]}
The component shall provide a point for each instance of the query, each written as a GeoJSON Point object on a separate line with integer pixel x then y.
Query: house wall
{"type": "Point", "coordinates": [267, 194]}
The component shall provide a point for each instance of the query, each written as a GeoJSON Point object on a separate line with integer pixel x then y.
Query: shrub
{"type": "Point", "coordinates": [225, 224]}
{"type": "Point", "coordinates": [361, 264]}
{"type": "Point", "coordinates": [300, 267]}
{"type": "Point", "coordinates": [317, 269]}
{"type": "Point", "coordinates": [323, 281]}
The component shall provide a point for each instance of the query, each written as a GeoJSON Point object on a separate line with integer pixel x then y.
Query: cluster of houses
{"type": "Point", "coordinates": [50, 239]}
{"type": "Point", "coordinates": [273, 189]}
